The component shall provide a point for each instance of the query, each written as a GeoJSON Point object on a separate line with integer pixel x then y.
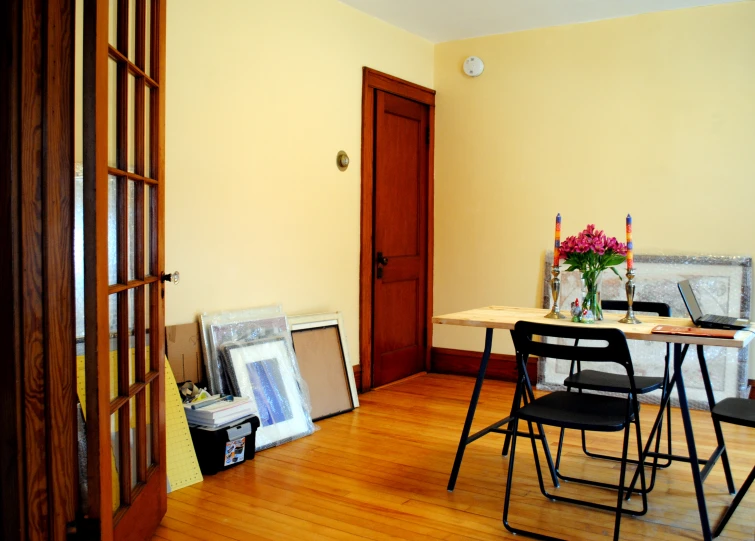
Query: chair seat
{"type": "Point", "coordinates": [614, 383]}
{"type": "Point", "coordinates": [737, 411]}
{"type": "Point", "coordinates": [578, 411]}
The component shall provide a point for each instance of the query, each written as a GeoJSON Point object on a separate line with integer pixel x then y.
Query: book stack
{"type": "Point", "coordinates": [218, 411]}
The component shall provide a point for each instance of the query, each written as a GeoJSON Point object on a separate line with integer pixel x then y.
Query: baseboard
{"type": "Point", "coordinates": [358, 376]}
{"type": "Point", "coordinates": [467, 363]}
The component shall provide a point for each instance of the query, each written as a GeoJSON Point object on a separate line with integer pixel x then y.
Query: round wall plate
{"type": "Point", "coordinates": [474, 66]}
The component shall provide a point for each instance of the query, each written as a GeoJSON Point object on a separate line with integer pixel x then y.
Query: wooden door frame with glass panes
{"type": "Point", "coordinates": [124, 196]}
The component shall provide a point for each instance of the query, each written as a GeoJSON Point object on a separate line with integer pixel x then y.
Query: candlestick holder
{"type": "Point", "coordinates": [630, 317]}
{"type": "Point", "coordinates": [555, 312]}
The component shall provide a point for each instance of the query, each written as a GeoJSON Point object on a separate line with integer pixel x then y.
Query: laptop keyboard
{"type": "Point", "coordinates": [721, 320]}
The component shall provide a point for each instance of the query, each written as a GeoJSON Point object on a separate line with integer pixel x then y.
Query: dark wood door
{"type": "Point", "coordinates": [124, 198]}
{"type": "Point", "coordinates": [400, 238]}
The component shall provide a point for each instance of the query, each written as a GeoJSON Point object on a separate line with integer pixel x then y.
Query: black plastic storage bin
{"type": "Point", "coordinates": [224, 447]}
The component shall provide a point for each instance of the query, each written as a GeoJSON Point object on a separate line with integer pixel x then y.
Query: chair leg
{"type": "Point", "coordinates": [733, 507]}
{"type": "Point", "coordinates": [610, 486]}
{"type": "Point", "coordinates": [509, 482]}
{"type": "Point", "coordinates": [537, 460]}
{"type": "Point", "coordinates": [558, 453]}
{"type": "Point", "coordinates": [644, 489]}
{"type": "Point", "coordinates": [514, 406]}
{"type": "Point", "coordinates": [655, 464]}
{"type": "Point", "coordinates": [620, 501]}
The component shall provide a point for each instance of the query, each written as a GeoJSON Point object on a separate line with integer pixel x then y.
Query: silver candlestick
{"type": "Point", "coordinates": [555, 312]}
{"type": "Point", "coordinates": [630, 317]}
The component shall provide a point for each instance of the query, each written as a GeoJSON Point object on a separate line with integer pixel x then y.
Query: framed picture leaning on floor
{"type": "Point", "coordinates": [265, 371]}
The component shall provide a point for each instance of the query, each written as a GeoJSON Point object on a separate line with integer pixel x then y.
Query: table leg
{"type": "Point", "coordinates": [716, 426]}
{"type": "Point", "coordinates": [471, 410]}
{"type": "Point", "coordinates": [679, 355]}
{"type": "Point", "coordinates": [691, 447]}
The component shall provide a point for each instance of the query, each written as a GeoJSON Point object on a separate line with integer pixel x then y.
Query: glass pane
{"type": "Point", "coordinates": [112, 27]}
{"type": "Point", "coordinates": [131, 231]}
{"type": "Point", "coordinates": [147, 231]}
{"type": "Point", "coordinates": [148, 393]}
{"type": "Point", "coordinates": [132, 30]}
{"type": "Point", "coordinates": [147, 133]}
{"type": "Point", "coordinates": [116, 461]}
{"type": "Point", "coordinates": [112, 229]}
{"type": "Point", "coordinates": [112, 104]}
{"type": "Point", "coordinates": [148, 38]}
{"type": "Point", "coordinates": [131, 140]}
{"type": "Point", "coordinates": [147, 297]}
{"type": "Point", "coordinates": [131, 352]}
{"type": "Point", "coordinates": [113, 303]}
{"type": "Point", "coordinates": [78, 256]}
{"type": "Point", "coordinates": [133, 442]}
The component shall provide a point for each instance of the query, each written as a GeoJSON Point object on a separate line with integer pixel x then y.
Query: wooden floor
{"type": "Point", "coordinates": [380, 472]}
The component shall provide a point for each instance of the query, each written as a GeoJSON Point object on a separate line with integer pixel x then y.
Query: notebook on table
{"type": "Point", "coordinates": [694, 331]}
{"type": "Point", "coordinates": [707, 321]}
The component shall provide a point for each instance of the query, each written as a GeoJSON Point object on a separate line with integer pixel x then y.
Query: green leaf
{"type": "Point", "coordinates": [616, 273]}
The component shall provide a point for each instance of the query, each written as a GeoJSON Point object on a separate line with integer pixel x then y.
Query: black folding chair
{"type": "Point", "coordinates": [595, 380]}
{"type": "Point", "coordinates": [737, 411]}
{"type": "Point", "coordinates": [577, 411]}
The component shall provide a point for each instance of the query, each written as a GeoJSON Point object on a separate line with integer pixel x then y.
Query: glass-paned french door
{"type": "Point", "coordinates": [124, 55]}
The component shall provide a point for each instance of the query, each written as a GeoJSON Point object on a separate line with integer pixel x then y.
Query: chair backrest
{"type": "Point", "coordinates": [660, 308]}
{"type": "Point", "coordinates": [614, 349]}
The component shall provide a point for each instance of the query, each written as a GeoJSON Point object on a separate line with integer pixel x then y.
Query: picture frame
{"type": "Point", "coordinates": [325, 365]}
{"type": "Point", "coordinates": [723, 285]}
{"type": "Point", "coordinates": [264, 371]}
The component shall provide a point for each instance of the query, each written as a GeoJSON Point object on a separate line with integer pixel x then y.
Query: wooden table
{"type": "Point", "coordinates": [505, 317]}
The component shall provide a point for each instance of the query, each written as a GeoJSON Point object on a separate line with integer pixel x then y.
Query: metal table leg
{"type": "Point", "coordinates": [523, 392]}
{"type": "Point", "coordinates": [721, 449]}
{"type": "Point", "coordinates": [691, 447]}
{"type": "Point", "coordinates": [472, 407]}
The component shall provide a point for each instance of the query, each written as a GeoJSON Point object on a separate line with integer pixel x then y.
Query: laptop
{"type": "Point", "coordinates": [707, 321]}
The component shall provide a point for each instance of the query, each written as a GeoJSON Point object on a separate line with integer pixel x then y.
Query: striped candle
{"type": "Point", "coordinates": [557, 244]}
{"type": "Point", "coordinates": [630, 245]}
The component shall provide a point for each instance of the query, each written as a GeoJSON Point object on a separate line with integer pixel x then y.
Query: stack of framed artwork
{"type": "Point", "coordinates": [250, 353]}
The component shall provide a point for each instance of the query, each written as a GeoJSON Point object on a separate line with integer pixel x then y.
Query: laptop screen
{"type": "Point", "coordinates": [690, 300]}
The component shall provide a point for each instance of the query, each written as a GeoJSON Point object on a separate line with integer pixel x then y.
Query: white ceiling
{"type": "Point", "coordinates": [448, 20]}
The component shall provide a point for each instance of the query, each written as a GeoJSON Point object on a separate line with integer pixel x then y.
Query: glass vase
{"type": "Point", "coordinates": [591, 282]}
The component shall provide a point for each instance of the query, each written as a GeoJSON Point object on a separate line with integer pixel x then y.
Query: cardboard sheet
{"type": "Point", "coordinates": [183, 348]}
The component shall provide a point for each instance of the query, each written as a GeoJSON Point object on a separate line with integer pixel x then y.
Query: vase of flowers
{"type": "Point", "coordinates": [591, 252]}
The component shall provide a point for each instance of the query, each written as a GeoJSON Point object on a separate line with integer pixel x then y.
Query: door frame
{"type": "Point", "coordinates": [373, 80]}
{"type": "Point", "coordinates": [38, 458]}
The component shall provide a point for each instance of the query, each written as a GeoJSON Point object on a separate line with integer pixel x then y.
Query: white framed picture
{"type": "Point", "coordinates": [264, 371]}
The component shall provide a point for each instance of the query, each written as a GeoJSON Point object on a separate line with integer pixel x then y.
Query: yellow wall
{"type": "Point", "coordinates": [653, 115]}
{"type": "Point", "coordinates": [260, 98]}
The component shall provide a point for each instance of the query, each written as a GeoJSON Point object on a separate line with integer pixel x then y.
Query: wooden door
{"type": "Point", "coordinates": [402, 138]}
{"type": "Point", "coordinates": [124, 196]}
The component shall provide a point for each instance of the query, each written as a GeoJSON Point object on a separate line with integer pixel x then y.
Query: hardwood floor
{"type": "Point", "coordinates": [380, 472]}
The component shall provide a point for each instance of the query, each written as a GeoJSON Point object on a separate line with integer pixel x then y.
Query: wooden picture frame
{"type": "Point", "coordinates": [324, 363]}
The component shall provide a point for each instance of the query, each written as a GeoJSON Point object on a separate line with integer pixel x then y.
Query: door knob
{"type": "Point", "coordinates": [174, 277]}
{"type": "Point", "coordinates": [381, 259]}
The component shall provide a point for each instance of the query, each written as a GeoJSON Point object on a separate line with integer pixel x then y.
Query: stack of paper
{"type": "Point", "coordinates": [219, 412]}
